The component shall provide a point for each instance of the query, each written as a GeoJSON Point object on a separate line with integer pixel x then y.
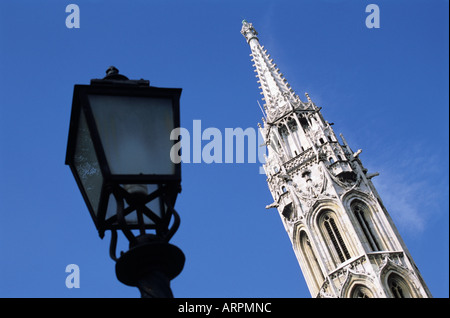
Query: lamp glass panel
{"type": "Point", "coordinates": [131, 219]}
{"type": "Point", "coordinates": [86, 164]}
{"type": "Point", "coordinates": [135, 133]}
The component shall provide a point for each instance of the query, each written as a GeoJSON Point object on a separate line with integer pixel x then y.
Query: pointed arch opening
{"type": "Point", "coordinates": [367, 226]}
{"type": "Point", "coordinates": [398, 287]}
{"type": "Point", "coordinates": [312, 271]}
{"type": "Point", "coordinates": [361, 291]}
{"type": "Point", "coordinates": [334, 236]}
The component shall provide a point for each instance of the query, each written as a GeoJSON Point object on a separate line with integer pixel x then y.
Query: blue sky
{"type": "Point", "coordinates": [385, 89]}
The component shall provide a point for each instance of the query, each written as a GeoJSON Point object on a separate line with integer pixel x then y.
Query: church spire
{"type": "Point", "coordinates": [341, 233]}
{"type": "Point", "coordinates": [279, 97]}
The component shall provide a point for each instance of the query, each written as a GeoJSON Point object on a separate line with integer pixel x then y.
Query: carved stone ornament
{"type": "Point", "coordinates": [392, 262]}
{"type": "Point", "coordinates": [345, 183]}
{"type": "Point", "coordinates": [352, 276]}
{"type": "Point", "coordinates": [314, 190]}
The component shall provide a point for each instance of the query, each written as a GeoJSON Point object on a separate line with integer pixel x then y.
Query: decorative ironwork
{"type": "Point", "coordinates": [137, 203]}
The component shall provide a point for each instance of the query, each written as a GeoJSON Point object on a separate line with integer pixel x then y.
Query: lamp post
{"type": "Point", "coordinates": [119, 152]}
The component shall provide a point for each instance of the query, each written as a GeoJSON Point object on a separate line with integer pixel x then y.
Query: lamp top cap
{"type": "Point", "coordinates": [114, 78]}
{"type": "Point", "coordinates": [113, 73]}
{"type": "Point", "coordinates": [112, 70]}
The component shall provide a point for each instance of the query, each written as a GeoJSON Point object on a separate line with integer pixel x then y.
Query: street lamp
{"type": "Point", "coordinates": [119, 152]}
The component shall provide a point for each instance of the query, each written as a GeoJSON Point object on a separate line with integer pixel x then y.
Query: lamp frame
{"type": "Point", "coordinates": [111, 182]}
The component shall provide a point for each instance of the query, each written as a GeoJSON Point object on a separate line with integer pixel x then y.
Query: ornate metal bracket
{"type": "Point", "coordinates": [164, 224]}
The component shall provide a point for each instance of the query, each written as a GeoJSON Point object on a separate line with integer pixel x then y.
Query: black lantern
{"type": "Point", "coordinates": [119, 152]}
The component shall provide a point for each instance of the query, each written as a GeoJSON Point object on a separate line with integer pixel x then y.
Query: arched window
{"type": "Point", "coordinates": [334, 237]}
{"type": "Point", "coordinates": [362, 214]}
{"type": "Point", "coordinates": [314, 275]}
{"type": "Point", "coordinates": [398, 286]}
{"type": "Point", "coordinates": [361, 291]}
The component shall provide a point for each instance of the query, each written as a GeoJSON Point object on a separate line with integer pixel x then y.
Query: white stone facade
{"type": "Point", "coordinates": [343, 237]}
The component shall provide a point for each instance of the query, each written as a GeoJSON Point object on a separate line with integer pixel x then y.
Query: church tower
{"type": "Point", "coordinates": [342, 235]}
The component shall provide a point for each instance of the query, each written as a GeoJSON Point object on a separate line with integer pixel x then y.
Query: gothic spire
{"type": "Point", "coordinates": [279, 97]}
